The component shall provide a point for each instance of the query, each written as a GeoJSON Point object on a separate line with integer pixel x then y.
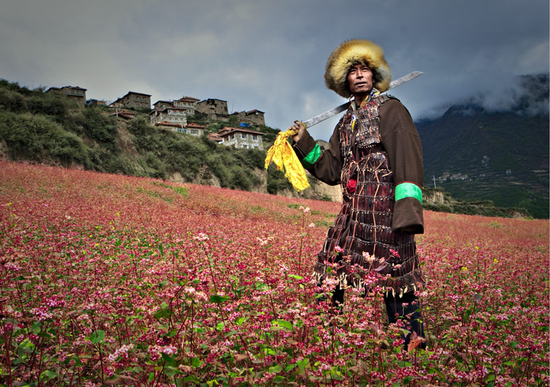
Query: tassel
{"type": "Point", "coordinates": [284, 157]}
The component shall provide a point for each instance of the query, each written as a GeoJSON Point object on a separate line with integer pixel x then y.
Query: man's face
{"type": "Point", "coordinates": [359, 80]}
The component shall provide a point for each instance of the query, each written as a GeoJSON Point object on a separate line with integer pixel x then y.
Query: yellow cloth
{"type": "Point", "coordinates": [284, 157]}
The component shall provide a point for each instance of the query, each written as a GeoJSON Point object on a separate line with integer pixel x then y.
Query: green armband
{"type": "Point", "coordinates": [408, 190]}
{"type": "Point", "coordinates": [311, 157]}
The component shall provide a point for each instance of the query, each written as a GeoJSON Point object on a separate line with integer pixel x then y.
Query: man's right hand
{"type": "Point", "coordinates": [300, 127]}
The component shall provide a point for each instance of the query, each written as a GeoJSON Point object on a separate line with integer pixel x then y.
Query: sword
{"type": "Point", "coordinates": [332, 112]}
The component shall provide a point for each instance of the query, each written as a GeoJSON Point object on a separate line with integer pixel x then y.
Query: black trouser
{"type": "Point", "coordinates": [409, 314]}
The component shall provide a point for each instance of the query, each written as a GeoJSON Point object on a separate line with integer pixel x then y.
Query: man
{"type": "Point", "coordinates": [376, 155]}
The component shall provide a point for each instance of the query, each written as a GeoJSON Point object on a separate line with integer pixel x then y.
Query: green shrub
{"type": "Point", "coordinates": [55, 105]}
{"type": "Point", "coordinates": [100, 128]}
{"type": "Point", "coordinates": [239, 179]}
{"type": "Point", "coordinates": [36, 138]}
{"type": "Point", "coordinates": [12, 101]}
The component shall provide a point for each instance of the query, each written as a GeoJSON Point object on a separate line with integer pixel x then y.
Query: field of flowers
{"type": "Point", "coordinates": [114, 280]}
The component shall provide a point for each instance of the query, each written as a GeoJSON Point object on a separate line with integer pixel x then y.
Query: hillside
{"type": "Point", "coordinates": [49, 129]}
{"type": "Point", "coordinates": [474, 153]}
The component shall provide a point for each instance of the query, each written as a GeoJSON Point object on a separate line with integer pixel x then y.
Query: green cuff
{"type": "Point", "coordinates": [312, 157]}
{"type": "Point", "coordinates": [408, 190]}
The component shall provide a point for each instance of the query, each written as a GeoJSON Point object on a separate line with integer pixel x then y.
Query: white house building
{"type": "Point", "coordinates": [241, 138]}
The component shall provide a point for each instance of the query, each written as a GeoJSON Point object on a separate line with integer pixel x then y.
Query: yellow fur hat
{"type": "Point", "coordinates": [350, 53]}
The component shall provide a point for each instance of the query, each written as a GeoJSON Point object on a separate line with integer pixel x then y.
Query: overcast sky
{"type": "Point", "coordinates": [270, 55]}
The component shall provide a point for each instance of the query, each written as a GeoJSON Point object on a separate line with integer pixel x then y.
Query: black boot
{"type": "Point", "coordinates": [409, 315]}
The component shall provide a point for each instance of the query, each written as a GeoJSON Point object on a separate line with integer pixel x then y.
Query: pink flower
{"type": "Point", "coordinates": [201, 237]}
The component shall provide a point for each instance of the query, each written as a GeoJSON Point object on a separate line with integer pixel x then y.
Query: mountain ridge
{"type": "Point", "coordinates": [478, 153]}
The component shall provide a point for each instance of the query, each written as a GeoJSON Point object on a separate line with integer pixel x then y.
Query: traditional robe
{"type": "Point", "coordinates": [376, 155]}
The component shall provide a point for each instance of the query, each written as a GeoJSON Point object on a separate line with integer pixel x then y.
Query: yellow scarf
{"type": "Point", "coordinates": [284, 157]}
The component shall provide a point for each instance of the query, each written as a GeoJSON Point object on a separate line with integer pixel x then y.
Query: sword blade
{"type": "Point", "coordinates": [332, 112]}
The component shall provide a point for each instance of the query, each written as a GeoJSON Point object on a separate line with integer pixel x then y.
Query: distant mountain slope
{"type": "Point", "coordinates": [480, 153]}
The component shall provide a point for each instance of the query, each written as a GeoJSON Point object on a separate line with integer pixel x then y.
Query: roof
{"type": "Point", "coordinates": [74, 87]}
{"type": "Point", "coordinates": [254, 111]}
{"type": "Point", "coordinates": [228, 130]}
{"type": "Point", "coordinates": [190, 99]}
{"type": "Point", "coordinates": [193, 125]}
{"type": "Point", "coordinates": [134, 92]}
{"type": "Point", "coordinates": [214, 137]}
{"type": "Point", "coordinates": [165, 123]}
{"type": "Point", "coordinates": [213, 100]}
{"type": "Point", "coordinates": [66, 87]}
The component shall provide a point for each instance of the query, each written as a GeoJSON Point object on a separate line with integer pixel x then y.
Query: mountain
{"type": "Point", "coordinates": [478, 151]}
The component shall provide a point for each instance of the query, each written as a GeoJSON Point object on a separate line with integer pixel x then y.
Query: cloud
{"type": "Point", "coordinates": [270, 55]}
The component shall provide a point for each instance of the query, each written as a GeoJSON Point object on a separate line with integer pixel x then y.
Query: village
{"type": "Point", "coordinates": [173, 115]}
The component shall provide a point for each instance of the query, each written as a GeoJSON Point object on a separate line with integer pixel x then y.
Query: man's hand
{"type": "Point", "coordinates": [298, 126]}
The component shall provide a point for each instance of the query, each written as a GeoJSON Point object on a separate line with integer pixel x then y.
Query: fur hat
{"type": "Point", "coordinates": [350, 53]}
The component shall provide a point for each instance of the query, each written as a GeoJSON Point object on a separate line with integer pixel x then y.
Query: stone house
{"type": "Point", "coordinates": [255, 117]}
{"type": "Point", "coordinates": [161, 105]}
{"type": "Point", "coordinates": [187, 103]}
{"type": "Point", "coordinates": [172, 115]}
{"type": "Point", "coordinates": [133, 100]}
{"type": "Point", "coordinates": [215, 109]}
{"type": "Point", "coordinates": [74, 93]}
{"type": "Point", "coordinates": [173, 112]}
{"type": "Point", "coordinates": [241, 138]}
{"type": "Point", "coordinates": [95, 102]}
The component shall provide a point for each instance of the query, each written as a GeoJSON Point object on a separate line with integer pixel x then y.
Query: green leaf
{"type": "Point", "coordinates": [295, 276]}
{"type": "Point", "coordinates": [36, 327]}
{"type": "Point", "coordinates": [302, 363]}
{"type": "Point", "coordinates": [97, 337]}
{"type": "Point", "coordinates": [191, 378]}
{"type": "Point", "coordinates": [48, 375]}
{"type": "Point", "coordinates": [171, 371]}
{"type": "Point", "coordinates": [290, 367]}
{"type": "Point", "coordinates": [26, 346]}
{"type": "Point", "coordinates": [490, 378]}
{"type": "Point", "coordinates": [283, 324]}
{"type": "Point", "coordinates": [164, 311]}
{"type": "Point", "coordinates": [276, 369]}
{"type": "Point", "coordinates": [172, 333]}
{"type": "Point", "coordinates": [196, 362]}
{"type": "Point", "coordinates": [162, 284]}
{"type": "Point", "coordinates": [217, 299]}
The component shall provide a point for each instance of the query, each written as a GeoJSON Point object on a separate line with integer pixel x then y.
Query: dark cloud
{"type": "Point", "coordinates": [270, 55]}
